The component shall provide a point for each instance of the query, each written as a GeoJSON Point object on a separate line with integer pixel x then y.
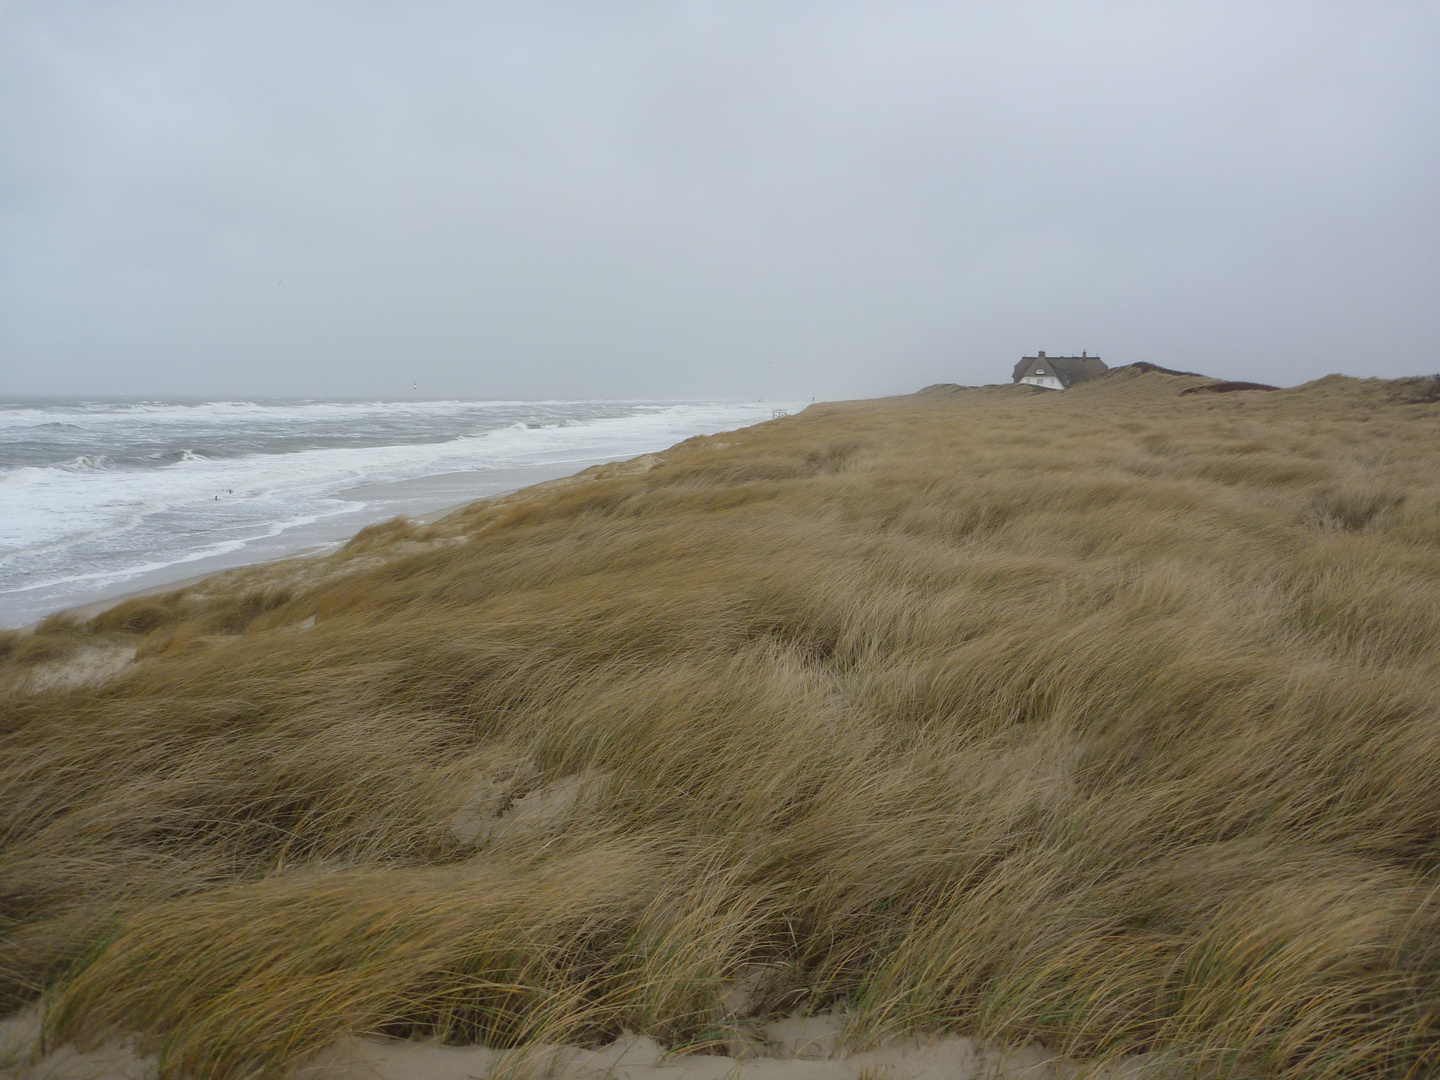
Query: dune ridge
{"type": "Point", "coordinates": [1104, 719]}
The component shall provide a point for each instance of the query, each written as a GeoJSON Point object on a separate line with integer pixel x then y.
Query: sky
{"type": "Point", "coordinates": [779, 199]}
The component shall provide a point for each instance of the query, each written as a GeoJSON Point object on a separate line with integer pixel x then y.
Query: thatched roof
{"type": "Point", "coordinates": [1068, 369]}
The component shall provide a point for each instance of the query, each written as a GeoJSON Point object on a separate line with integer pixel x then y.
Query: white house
{"type": "Point", "coordinates": [1058, 372]}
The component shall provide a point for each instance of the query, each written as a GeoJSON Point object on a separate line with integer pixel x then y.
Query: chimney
{"type": "Point", "coordinates": [1083, 354]}
{"type": "Point", "coordinates": [1040, 355]}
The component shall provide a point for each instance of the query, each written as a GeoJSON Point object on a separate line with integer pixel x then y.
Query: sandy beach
{"type": "Point", "coordinates": [423, 498]}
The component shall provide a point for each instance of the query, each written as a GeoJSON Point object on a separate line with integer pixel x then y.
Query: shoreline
{"type": "Point", "coordinates": [425, 499]}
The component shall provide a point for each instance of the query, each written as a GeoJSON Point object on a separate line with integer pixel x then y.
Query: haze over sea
{"type": "Point", "coordinates": [100, 497]}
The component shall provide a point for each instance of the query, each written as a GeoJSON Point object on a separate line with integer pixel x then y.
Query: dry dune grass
{"type": "Point", "coordinates": [1106, 718]}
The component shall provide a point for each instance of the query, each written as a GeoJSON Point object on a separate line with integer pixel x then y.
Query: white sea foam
{"type": "Point", "coordinates": [97, 494]}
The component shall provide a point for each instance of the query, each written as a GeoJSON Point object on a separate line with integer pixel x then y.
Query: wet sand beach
{"type": "Point", "coordinates": [424, 498]}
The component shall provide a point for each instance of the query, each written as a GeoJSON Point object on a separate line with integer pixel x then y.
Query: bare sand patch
{"type": "Point", "coordinates": [492, 812]}
{"type": "Point", "coordinates": [798, 1048]}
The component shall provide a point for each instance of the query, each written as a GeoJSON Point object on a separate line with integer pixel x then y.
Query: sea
{"type": "Point", "coordinates": [99, 498]}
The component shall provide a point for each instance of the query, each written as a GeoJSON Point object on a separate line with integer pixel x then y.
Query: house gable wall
{"type": "Point", "coordinates": [1048, 381]}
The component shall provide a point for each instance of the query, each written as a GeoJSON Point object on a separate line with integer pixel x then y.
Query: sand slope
{"type": "Point", "coordinates": [1102, 720]}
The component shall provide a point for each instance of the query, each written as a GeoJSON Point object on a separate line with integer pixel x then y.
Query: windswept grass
{"type": "Point", "coordinates": [1107, 718]}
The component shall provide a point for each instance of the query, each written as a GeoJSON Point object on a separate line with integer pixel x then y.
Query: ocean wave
{"type": "Point", "coordinates": [88, 462]}
{"type": "Point", "coordinates": [25, 475]}
{"type": "Point", "coordinates": [87, 414]}
{"type": "Point", "coordinates": [183, 454]}
{"type": "Point", "coordinates": [107, 517]}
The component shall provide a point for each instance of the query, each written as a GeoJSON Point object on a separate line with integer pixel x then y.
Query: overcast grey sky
{"type": "Point", "coordinates": [777, 199]}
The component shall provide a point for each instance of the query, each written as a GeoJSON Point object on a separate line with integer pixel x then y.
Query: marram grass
{"type": "Point", "coordinates": [1107, 718]}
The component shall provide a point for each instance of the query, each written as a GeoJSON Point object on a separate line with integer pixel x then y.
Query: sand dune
{"type": "Point", "coordinates": [1102, 722]}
